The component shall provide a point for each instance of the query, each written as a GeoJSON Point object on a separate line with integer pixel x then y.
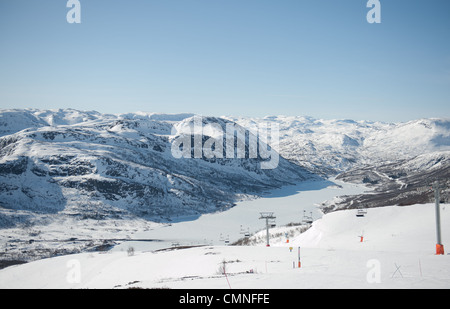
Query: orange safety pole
{"type": "Point", "coordinates": [439, 249]}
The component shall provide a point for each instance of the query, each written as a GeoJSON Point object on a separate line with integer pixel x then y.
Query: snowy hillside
{"type": "Point", "coordinates": [396, 160]}
{"type": "Point", "coordinates": [334, 146]}
{"type": "Point", "coordinates": [89, 165]}
{"type": "Point", "coordinates": [404, 182]}
{"type": "Point", "coordinates": [397, 252]}
{"type": "Point", "coordinates": [117, 174]}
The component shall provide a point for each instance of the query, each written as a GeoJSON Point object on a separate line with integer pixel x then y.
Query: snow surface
{"type": "Point", "coordinates": [287, 203]}
{"type": "Point", "coordinates": [332, 256]}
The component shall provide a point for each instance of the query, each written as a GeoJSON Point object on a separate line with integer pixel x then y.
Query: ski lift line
{"type": "Point", "coordinates": [267, 216]}
{"type": "Point", "coordinates": [361, 212]}
{"type": "Point", "coordinates": [307, 219]}
{"type": "Point", "coordinates": [247, 234]}
{"type": "Point", "coordinates": [244, 232]}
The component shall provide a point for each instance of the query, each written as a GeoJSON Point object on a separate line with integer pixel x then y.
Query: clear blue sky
{"type": "Point", "coordinates": [229, 57]}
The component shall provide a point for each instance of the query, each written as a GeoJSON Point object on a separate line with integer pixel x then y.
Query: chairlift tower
{"type": "Point", "coordinates": [439, 245]}
{"type": "Point", "coordinates": [268, 216]}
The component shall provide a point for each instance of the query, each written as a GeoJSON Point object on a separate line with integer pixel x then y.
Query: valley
{"type": "Point", "coordinates": [74, 181]}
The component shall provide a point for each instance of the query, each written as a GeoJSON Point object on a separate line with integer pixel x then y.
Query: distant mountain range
{"type": "Point", "coordinates": [399, 161]}
{"type": "Point", "coordinates": [91, 165]}
{"type": "Point", "coordinates": [329, 147]}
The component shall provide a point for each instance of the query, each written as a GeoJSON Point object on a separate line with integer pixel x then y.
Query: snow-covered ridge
{"type": "Point", "coordinates": [334, 146]}
{"type": "Point", "coordinates": [57, 162]}
{"type": "Point", "coordinates": [49, 157]}
{"type": "Point", "coordinates": [325, 146]}
{"type": "Point", "coordinates": [84, 165]}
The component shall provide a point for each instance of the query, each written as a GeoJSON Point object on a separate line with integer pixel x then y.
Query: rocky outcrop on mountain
{"type": "Point", "coordinates": [398, 161]}
{"type": "Point", "coordinates": [330, 147]}
{"type": "Point", "coordinates": [406, 182]}
{"type": "Point", "coordinates": [92, 166]}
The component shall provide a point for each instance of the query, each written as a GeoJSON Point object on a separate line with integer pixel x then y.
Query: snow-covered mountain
{"type": "Point", "coordinates": [404, 182]}
{"type": "Point", "coordinates": [333, 146]}
{"type": "Point", "coordinates": [76, 162]}
{"type": "Point", "coordinates": [398, 160]}
{"type": "Point", "coordinates": [88, 170]}
{"type": "Point", "coordinates": [93, 165]}
{"type": "Point", "coordinates": [90, 165]}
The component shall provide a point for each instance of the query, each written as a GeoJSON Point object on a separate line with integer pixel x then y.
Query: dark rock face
{"type": "Point", "coordinates": [403, 183]}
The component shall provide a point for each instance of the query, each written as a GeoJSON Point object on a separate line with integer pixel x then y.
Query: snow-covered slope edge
{"type": "Point", "coordinates": [397, 252]}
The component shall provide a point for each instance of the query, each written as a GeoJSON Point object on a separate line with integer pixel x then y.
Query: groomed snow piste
{"type": "Point", "coordinates": [397, 251]}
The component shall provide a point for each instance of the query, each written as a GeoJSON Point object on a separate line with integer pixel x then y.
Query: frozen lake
{"type": "Point", "coordinates": [287, 204]}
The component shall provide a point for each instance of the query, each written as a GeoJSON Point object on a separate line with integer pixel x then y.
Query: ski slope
{"type": "Point", "coordinates": [287, 203]}
{"type": "Point", "coordinates": [397, 252]}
